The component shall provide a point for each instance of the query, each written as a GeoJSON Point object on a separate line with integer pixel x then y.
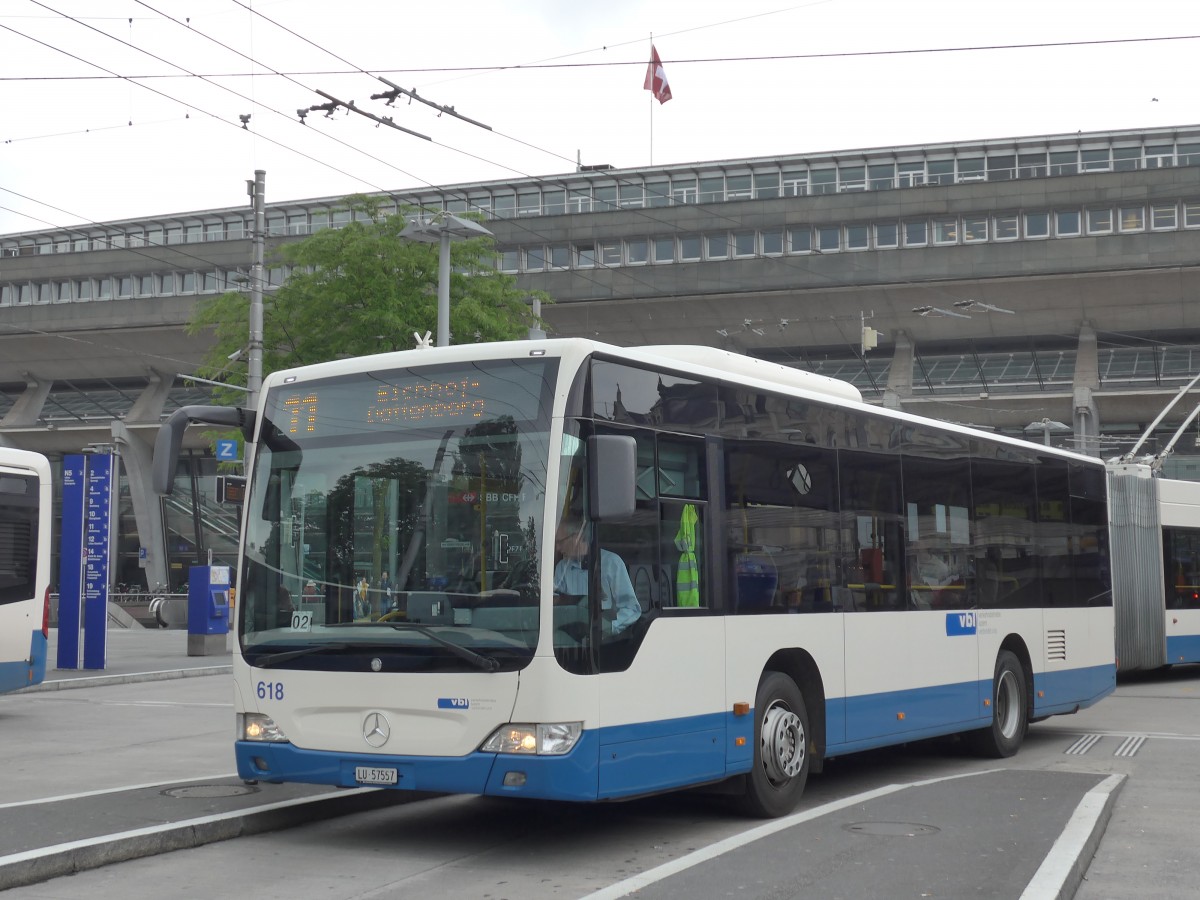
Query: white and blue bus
{"type": "Point", "coordinates": [772, 573]}
{"type": "Point", "coordinates": [25, 521]}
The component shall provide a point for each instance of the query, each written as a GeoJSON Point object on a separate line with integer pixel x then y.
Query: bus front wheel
{"type": "Point", "coordinates": [1010, 711]}
{"type": "Point", "coordinates": [781, 757]}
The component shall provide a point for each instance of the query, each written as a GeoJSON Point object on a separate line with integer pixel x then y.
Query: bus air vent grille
{"type": "Point", "coordinates": [1056, 644]}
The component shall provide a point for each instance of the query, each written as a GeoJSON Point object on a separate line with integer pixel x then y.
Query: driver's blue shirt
{"type": "Point", "coordinates": [570, 577]}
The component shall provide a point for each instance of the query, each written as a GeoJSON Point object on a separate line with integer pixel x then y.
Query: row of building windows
{"type": "Point", "coordinates": [752, 179]}
{"type": "Point", "coordinates": [226, 229]}
{"type": "Point", "coordinates": [800, 179]}
{"type": "Point", "coordinates": [834, 238]}
{"type": "Point", "coordinates": [109, 287]}
{"type": "Point", "coordinates": [718, 245]}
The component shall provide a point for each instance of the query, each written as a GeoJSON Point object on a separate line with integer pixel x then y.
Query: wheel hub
{"type": "Point", "coordinates": [783, 744]}
{"type": "Point", "coordinates": [1007, 705]}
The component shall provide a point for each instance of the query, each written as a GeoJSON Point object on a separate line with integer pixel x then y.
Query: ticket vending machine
{"type": "Point", "coordinates": [208, 610]}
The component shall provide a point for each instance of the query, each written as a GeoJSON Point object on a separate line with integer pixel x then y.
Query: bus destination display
{"type": "Point", "coordinates": [369, 402]}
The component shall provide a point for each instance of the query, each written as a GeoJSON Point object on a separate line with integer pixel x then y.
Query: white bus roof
{"type": "Point", "coordinates": [719, 361]}
{"type": "Point", "coordinates": [749, 367]}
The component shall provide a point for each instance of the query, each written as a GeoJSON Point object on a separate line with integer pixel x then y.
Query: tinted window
{"type": "Point", "coordinates": [639, 396]}
{"type": "Point", "coordinates": [782, 528]}
{"type": "Point", "coordinates": [18, 537]}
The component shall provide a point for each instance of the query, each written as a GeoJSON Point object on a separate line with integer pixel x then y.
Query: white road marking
{"type": "Point", "coordinates": [116, 790]}
{"type": "Point", "coordinates": [675, 866]}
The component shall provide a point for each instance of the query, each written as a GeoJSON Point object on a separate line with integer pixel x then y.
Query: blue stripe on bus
{"type": "Point", "coordinates": [653, 756]}
{"type": "Point", "coordinates": [628, 760]}
{"type": "Point", "coordinates": [1067, 691]}
{"type": "Point", "coordinates": [875, 720]}
{"type": "Point", "coordinates": [22, 673]}
{"type": "Point", "coordinates": [1183, 649]}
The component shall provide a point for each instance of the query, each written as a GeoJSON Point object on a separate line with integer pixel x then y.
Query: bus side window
{"type": "Point", "coordinates": [636, 542]}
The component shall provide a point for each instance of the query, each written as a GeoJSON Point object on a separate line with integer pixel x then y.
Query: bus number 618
{"type": "Point", "coordinates": [270, 690]}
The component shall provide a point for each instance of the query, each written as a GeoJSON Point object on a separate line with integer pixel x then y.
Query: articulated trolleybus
{"type": "Point", "coordinates": [25, 519]}
{"type": "Point", "coordinates": [561, 569]}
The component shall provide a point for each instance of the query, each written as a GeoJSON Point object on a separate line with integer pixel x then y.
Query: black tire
{"type": "Point", "coordinates": [781, 749]}
{"type": "Point", "coordinates": [1010, 711]}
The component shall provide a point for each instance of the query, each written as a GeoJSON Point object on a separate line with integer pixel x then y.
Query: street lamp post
{"type": "Point", "coordinates": [1047, 427]}
{"type": "Point", "coordinates": [442, 230]}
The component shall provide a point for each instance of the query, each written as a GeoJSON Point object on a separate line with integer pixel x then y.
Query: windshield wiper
{"type": "Point", "coordinates": [487, 663]}
{"type": "Point", "coordinates": [274, 659]}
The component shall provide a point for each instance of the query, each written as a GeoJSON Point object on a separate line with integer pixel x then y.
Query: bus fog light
{"type": "Point", "coordinates": [552, 739]}
{"type": "Point", "coordinates": [514, 779]}
{"type": "Point", "coordinates": [257, 727]}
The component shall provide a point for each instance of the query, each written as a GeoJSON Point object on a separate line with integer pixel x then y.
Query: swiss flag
{"type": "Point", "coordinates": [656, 78]}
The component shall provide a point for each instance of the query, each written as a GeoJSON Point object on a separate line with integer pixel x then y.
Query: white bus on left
{"type": "Point", "coordinates": [25, 521]}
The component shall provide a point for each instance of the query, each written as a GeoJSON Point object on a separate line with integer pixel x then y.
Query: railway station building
{"type": "Point", "coordinates": [1044, 287]}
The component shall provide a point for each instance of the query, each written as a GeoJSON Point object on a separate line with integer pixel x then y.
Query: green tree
{"type": "Point", "coordinates": [362, 289]}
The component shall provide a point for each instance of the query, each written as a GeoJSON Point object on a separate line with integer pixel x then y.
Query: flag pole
{"type": "Point", "coordinates": [652, 107]}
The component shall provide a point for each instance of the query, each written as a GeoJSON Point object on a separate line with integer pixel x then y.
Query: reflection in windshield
{"type": "Point", "coordinates": [433, 520]}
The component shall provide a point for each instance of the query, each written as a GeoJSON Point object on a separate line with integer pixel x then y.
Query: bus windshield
{"type": "Point", "coordinates": [398, 513]}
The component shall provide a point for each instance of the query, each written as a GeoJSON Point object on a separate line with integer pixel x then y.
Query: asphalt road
{"type": "Point", "coordinates": [103, 777]}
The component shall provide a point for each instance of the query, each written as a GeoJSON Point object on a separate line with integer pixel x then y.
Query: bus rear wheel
{"type": "Point", "coordinates": [1010, 711]}
{"type": "Point", "coordinates": [781, 757]}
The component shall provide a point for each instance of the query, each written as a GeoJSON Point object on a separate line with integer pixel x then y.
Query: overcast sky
{"type": "Point", "coordinates": [90, 136]}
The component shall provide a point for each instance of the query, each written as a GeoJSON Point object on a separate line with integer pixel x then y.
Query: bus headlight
{"type": "Point", "coordinates": [550, 739]}
{"type": "Point", "coordinates": [257, 727]}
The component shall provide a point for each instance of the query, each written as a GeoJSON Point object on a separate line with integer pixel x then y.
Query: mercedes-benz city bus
{"type": "Point", "coordinates": [755, 571]}
{"type": "Point", "coordinates": [25, 520]}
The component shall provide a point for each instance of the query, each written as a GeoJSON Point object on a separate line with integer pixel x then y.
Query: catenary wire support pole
{"type": "Point", "coordinates": [443, 290]}
{"type": "Point", "coordinates": [535, 330]}
{"type": "Point", "coordinates": [254, 362]}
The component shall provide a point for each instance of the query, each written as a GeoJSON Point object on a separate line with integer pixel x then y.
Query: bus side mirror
{"type": "Point", "coordinates": [612, 469]}
{"type": "Point", "coordinates": [169, 441]}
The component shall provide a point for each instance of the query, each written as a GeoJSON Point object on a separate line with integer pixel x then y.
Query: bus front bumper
{"type": "Point", "coordinates": [572, 776]}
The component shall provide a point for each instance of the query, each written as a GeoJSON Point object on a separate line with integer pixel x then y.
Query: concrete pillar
{"type": "Point", "coordinates": [137, 453]}
{"type": "Point", "coordinates": [153, 399]}
{"type": "Point", "coordinates": [900, 374]}
{"type": "Point", "coordinates": [27, 408]}
{"type": "Point", "coordinates": [1086, 415]}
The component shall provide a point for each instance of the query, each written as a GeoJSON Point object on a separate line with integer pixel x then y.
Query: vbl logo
{"type": "Point", "coordinates": [454, 703]}
{"type": "Point", "coordinates": [960, 623]}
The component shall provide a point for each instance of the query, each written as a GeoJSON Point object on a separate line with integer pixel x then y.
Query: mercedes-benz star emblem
{"type": "Point", "coordinates": [376, 730]}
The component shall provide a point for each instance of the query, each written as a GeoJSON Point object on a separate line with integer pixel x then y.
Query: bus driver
{"type": "Point", "coordinates": [617, 598]}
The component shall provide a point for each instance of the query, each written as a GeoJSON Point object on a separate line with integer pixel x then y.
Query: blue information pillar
{"type": "Point", "coordinates": [97, 535]}
{"type": "Point", "coordinates": [70, 566]}
{"type": "Point", "coordinates": [83, 561]}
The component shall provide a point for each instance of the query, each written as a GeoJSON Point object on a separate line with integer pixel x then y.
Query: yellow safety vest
{"type": "Point", "coordinates": [687, 580]}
